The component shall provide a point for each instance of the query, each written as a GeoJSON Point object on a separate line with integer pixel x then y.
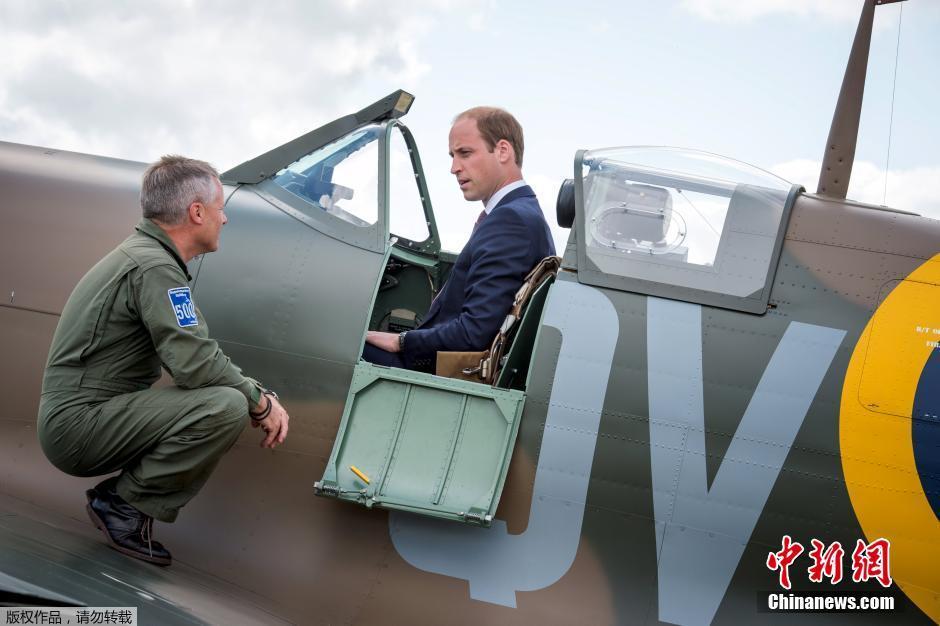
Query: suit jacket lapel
{"type": "Point", "coordinates": [521, 192]}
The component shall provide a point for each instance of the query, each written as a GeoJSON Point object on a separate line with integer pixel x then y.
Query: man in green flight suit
{"type": "Point", "coordinates": [129, 315]}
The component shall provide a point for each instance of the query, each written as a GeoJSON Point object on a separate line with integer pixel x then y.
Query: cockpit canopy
{"type": "Point", "coordinates": [680, 223]}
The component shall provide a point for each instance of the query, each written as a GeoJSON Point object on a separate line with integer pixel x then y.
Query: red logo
{"type": "Point", "coordinates": [869, 561]}
{"type": "Point", "coordinates": [872, 561]}
{"type": "Point", "coordinates": [783, 559]}
{"type": "Point", "coordinates": [827, 563]}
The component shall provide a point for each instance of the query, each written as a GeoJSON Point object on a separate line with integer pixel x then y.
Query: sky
{"type": "Point", "coordinates": [225, 81]}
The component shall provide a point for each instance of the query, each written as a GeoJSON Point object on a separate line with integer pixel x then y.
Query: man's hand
{"type": "Point", "coordinates": [274, 425]}
{"type": "Point", "coordinates": [385, 341]}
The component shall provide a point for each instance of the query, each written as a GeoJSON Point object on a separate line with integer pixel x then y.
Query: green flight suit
{"type": "Point", "coordinates": [130, 314]}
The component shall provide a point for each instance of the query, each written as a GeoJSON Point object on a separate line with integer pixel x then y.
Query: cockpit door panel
{"type": "Point", "coordinates": [425, 444]}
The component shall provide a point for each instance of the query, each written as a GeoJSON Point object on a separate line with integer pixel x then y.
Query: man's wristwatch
{"type": "Point", "coordinates": [401, 341]}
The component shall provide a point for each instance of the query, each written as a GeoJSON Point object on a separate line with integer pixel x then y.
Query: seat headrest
{"type": "Point", "coordinates": [564, 205]}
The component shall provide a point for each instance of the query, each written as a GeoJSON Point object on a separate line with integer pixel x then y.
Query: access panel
{"type": "Point", "coordinates": [421, 443]}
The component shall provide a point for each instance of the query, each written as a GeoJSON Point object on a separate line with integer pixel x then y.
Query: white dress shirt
{"type": "Point", "coordinates": [499, 195]}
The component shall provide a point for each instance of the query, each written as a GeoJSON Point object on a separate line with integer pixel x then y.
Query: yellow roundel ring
{"type": "Point", "coordinates": [892, 363]}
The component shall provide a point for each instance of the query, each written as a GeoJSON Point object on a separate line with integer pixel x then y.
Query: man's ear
{"type": "Point", "coordinates": [197, 213]}
{"type": "Point", "coordinates": [504, 151]}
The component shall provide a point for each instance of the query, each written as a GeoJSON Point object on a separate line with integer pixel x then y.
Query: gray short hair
{"type": "Point", "coordinates": [172, 184]}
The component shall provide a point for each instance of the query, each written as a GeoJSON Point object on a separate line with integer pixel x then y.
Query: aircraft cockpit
{"type": "Point", "coordinates": [358, 250]}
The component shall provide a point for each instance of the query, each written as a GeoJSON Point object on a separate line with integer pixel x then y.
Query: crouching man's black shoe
{"type": "Point", "coordinates": [127, 530]}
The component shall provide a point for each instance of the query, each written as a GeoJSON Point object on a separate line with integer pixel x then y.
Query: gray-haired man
{"type": "Point", "coordinates": [129, 315]}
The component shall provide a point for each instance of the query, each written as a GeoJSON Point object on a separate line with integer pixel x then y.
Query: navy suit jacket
{"type": "Point", "coordinates": [467, 313]}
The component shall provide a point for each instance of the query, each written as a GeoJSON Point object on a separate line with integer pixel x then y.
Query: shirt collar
{"type": "Point", "coordinates": [149, 228]}
{"type": "Point", "coordinates": [499, 195]}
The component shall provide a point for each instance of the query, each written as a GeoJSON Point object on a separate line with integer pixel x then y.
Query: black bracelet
{"type": "Point", "coordinates": [260, 417]}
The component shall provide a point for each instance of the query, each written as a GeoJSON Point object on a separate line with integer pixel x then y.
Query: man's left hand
{"type": "Point", "coordinates": [274, 425]}
{"type": "Point", "coordinates": [385, 341]}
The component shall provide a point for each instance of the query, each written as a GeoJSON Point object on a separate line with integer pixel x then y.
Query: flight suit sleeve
{"type": "Point", "coordinates": [180, 334]}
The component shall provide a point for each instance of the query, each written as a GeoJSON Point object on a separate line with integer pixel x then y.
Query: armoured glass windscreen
{"type": "Point", "coordinates": [681, 218]}
{"type": "Point", "coordinates": [341, 178]}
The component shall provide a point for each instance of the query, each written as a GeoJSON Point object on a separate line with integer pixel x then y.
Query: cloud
{"type": "Point", "coordinates": [745, 11]}
{"type": "Point", "coordinates": [220, 80]}
{"type": "Point", "coordinates": [916, 189]}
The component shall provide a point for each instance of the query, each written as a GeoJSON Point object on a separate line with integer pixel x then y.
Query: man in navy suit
{"type": "Point", "coordinates": [510, 236]}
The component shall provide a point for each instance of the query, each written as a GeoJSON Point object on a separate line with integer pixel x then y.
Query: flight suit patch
{"type": "Point", "coordinates": [182, 301]}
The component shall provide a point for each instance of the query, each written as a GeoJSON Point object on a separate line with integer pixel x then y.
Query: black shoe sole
{"type": "Point", "coordinates": [99, 524]}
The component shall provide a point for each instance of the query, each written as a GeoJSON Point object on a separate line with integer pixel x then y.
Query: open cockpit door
{"type": "Point", "coordinates": [425, 444]}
